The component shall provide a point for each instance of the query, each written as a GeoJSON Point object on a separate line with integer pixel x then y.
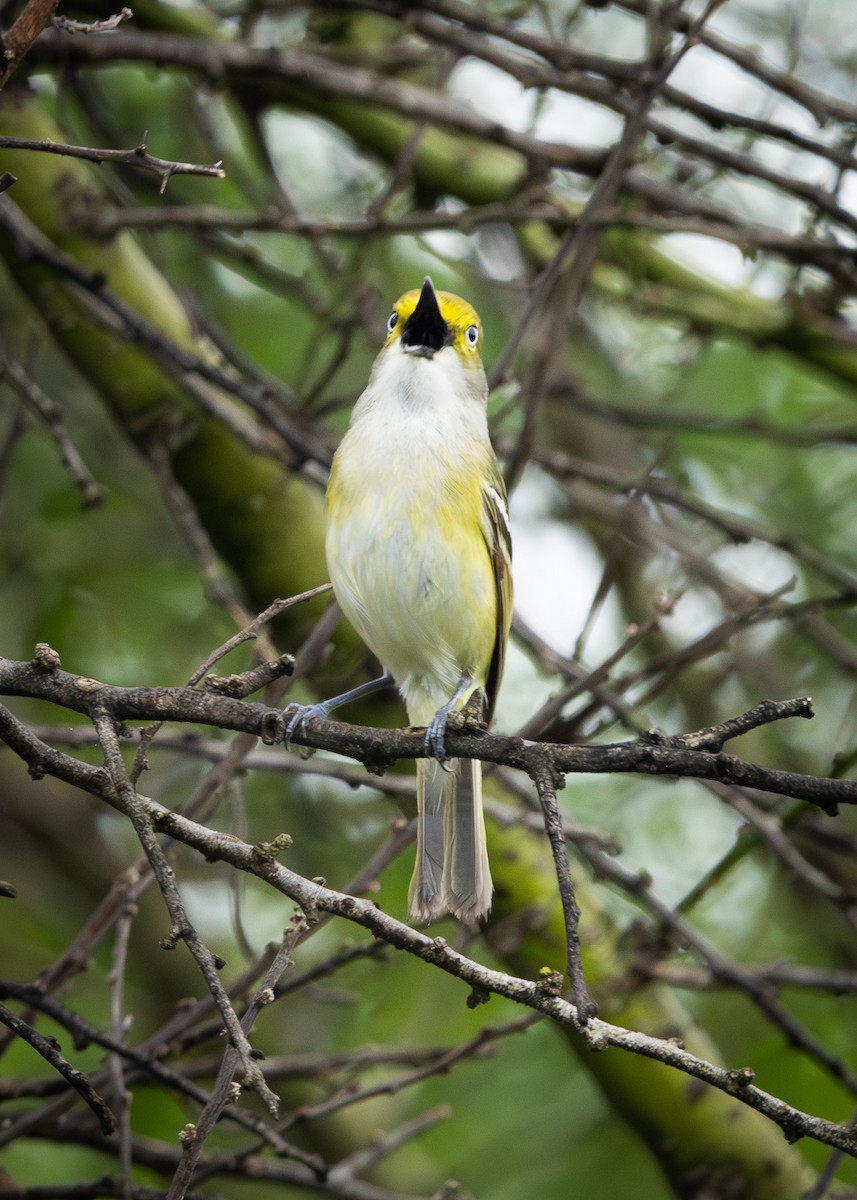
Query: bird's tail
{"type": "Point", "coordinates": [452, 872]}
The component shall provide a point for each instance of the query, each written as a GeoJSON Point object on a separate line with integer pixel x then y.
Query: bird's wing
{"type": "Point", "coordinates": [498, 539]}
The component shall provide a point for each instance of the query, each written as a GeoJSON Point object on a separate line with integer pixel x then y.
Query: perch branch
{"type": "Point", "coordinates": [650, 754]}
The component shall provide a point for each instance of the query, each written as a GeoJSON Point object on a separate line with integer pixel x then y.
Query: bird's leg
{"type": "Point", "coordinates": [436, 731]}
{"type": "Point", "coordinates": [303, 713]}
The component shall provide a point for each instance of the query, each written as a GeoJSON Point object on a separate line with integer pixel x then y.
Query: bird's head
{"type": "Point", "coordinates": [425, 322]}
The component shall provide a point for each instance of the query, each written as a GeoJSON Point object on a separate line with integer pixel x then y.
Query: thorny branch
{"type": "Point", "coordinates": [312, 897]}
{"type": "Point", "coordinates": [137, 156]}
{"type": "Point", "coordinates": [109, 706]}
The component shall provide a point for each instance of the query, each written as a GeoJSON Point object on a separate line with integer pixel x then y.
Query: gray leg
{"type": "Point", "coordinates": [303, 713]}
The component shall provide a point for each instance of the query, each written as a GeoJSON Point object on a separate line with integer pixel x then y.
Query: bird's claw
{"type": "Point", "coordinates": [435, 734]}
{"type": "Point", "coordinates": [300, 718]}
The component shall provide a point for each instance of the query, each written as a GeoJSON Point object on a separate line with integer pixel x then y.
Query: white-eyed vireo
{"type": "Point", "coordinates": [419, 554]}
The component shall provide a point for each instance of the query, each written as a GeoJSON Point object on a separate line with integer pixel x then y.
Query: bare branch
{"type": "Point", "coordinates": [545, 785]}
{"type": "Point", "coordinates": [126, 800]}
{"type": "Point", "coordinates": [217, 60]}
{"type": "Point", "coordinates": [86, 27]}
{"type": "Point", "coordinates": [224, 1091]}
{"type": "Point", "coordinates": [652, 754]}
{"type": "Point", "coordinates": [50, 1052]}
{"type": "Point", "coordinates": [281, 437]}
{"type": "Point", "coordinates": [137, 156]}
{"type": "Point", "coordinates": [574, 243]}
{"type": "Point", "coordinates": [47, 411]}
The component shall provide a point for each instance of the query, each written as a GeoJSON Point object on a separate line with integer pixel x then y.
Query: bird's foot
{"type": "Point", "coordinates": [435, 738]}
{"type": "Point", "coordinates": [437, 726]}
{"type": "Point", "coordinates": [300, 715]}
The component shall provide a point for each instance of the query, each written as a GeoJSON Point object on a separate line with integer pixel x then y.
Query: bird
{"type": "Point", "coordinates": [418, 549]}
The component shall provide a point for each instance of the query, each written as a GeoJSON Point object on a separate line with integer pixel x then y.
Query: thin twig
{"type": "Point", "coordinates": [583, 1002]}
{"type": "Point", "coordinates": [50, 1052]}
{"type": "Point", "coordinates": [115, 1064]}
{"type": "Point", "coordinates": [86, 27]}
{"type": "Point", "coordinates": [224, 1091]}
{"type": "Point", "coordinates": [136, 156]}
{"type": "Point", "coordinates": [128, 801]}
{"type": "Point", "coordinates": [48, 412]}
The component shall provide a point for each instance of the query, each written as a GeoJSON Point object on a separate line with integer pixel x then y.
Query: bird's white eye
{"type": "Point", "coordinates": [471, 335]}
{"type": "Point", "coordinates": [392, 322]}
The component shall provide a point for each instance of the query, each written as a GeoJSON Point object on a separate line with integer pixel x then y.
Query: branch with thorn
{"type": "Point", "coordinates": [136, 156]}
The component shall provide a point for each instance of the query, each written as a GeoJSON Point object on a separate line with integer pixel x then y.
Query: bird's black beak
{"type": "Point", "coordinates": [425, 330]}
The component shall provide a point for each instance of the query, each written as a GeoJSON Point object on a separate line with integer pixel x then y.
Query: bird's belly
{"type": "Point", "coordinates": [414, 578]}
